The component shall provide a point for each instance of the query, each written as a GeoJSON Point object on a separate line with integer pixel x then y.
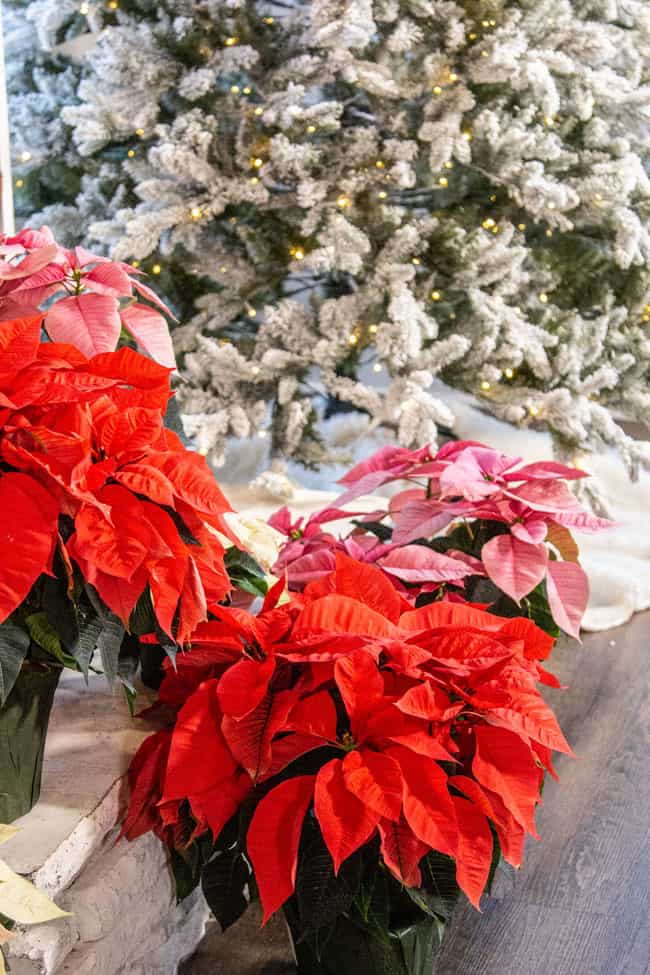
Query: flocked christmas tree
{"type": "Point", "coordinates": [387, 191]}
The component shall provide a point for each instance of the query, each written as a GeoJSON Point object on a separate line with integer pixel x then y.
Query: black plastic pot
{"type": "Point", "coordinates": [24, 720]}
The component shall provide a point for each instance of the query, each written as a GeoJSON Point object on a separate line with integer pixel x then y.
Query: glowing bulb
{"type": "Point", "coordinates": [257, 162]}
{"type": "Point", "coordinates": [223, 269]}
{"type": "Point", "coordinates": [255, 370]}
{"type": "Point", "coordinates": [437, 90]}
{"type": "Point", "coordinates": [254, 180]}
{"type": "Point", "coordinates": [156, 269]}
{"type": "Point", "coordinates": [113, 5]}
{"type": "Point", "coordinates": [496, 230]}
{"type": "Point", "coordinates": [521, 226]}
{"type": "Point", "coordinates": [552, 205]}
{"type": "Point", "coordinates": [259, 111]}
{"type": "Point", "coordinates": [436, 295]}
{"type": "Point", "coordinates": [233, 220]}
{"type": "Point", "coordinates": [509, 373]}
{"type": "Point", "coordinates": [382, 194]}
{"type": "Point", "coordinates": [467, 135]}
{"type": "Point", "coordinates": [203, 451]}
{"type": "Point", "coordinates": [25, 156]}
{"type": "Point", "coordinates": [379, 164]}
{"type": "Point", "coordinates": [131, 153]}
{"type": "Point", "coordinates": [231, 41]}
{"type": "Point", "coordinates": [196, 213]}
{"type": "Point", "coordinates": [250, 311]}
{"type": "Point", "coordinates": [263, 433]}
{"type": "Point", "coordinates": [139, 133]}
{"type": "Point", "coordinates": [269, 20]}
{"type": "Point", "coordinates": [453, 76]}
{"type": "Point", "coordinates": [20, 183]}
{"type": "Point", "coordinates": [343, 201]}
{"type": "Point", "coordinates": [489, 223]}
{"type": "Point", "coordinates": [485, 386]}
{"type": "Point", "coordinates": [377, 367]}
{"type": "Point", "coordinates": [84, 9]}
{"type": "Point", "coordinates": [353, 339]}
{"type": "Point", "coordinates": [443, 181]}
{"type": "Point", "coordinates": [543, 297]}
{"type": "Point", "coordinates": [416, 261]}
{"type": "Point", "coordinates": [373, 329]}
{"type": "Point", "coordinates": [135, 264]}
{"type": "Point", "coordinates": [473, 37]}
{"type": "Point", "coordinates": [533, 410]}
{"type": "Point", "coordinates": [311, 129]}
{"type": "Point", "coordinates": [235, 89]}
{"type": "Point", "coordinates": [485, 23]}
{"type": "Point", "coordinates": [493, 23]}
{"type": "Point", "coordinates": [548, 121]}
{"type": "Point", "coordinates": [299, 254]}
{"type": "Point", "coordinates": [493, 198]}
{"type": "Point", "coordinates": [247, 90]}
{"type": "Point", "coordinates": [484, 54]}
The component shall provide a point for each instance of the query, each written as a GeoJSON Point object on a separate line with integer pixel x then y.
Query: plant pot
{"type": "Point", "coordinates": [23, 728]}
{"type": "Point", "coordinates": [353, 949]}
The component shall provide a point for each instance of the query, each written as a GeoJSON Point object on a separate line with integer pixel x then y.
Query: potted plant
{"type": "Point", "coordinates": [108, 525]}
{"type": "Point", "coordinates": [352, 760]}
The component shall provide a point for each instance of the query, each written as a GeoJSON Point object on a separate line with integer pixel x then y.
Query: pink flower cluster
{"type": "Point", "coordinates": [463, 483]}
{"type": "Point", "coordinates": [85, 300]}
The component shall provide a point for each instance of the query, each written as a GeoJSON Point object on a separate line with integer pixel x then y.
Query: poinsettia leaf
{"type": "Point", "coordinates": [224, 880]}
{"type": "Point", "coordinates": [568, 594]}
{"type": "Point", "coordinates": [90, 322]}
{"type": "Point", "coordinates": [345, 821]}
{"type": "Point", "coordinates": [505, 765]}
{"type": "Point", "coordinates": [14, 644]}
{"type": "Point", "coordinates": [151, 332]}
{"type": "Point", "coordinates": [515, 566]}
{"type": "Point", "coordinates": [322, 896]}
{"type": "Point", "coordinates": [109, 643]}
{"type": "Point", "coordinates": [44, 634]}
{"type": "Point", "coordinates": [273, 839]}
{"type": "Point", "coordinates": [439, 892]}
{"type": "Point", "coordinates": [420, 944]}
{"type": "Point", "coordinates": [475, 848]}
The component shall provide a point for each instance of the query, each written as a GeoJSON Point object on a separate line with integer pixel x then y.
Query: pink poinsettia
{"type": "Point", "coordinates": [85, 300]}
{"type": "Point", "coordinates": [528, 510]}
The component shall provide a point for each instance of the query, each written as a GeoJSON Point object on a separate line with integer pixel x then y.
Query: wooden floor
{"type": "Point", "coordinates": [581, 903]}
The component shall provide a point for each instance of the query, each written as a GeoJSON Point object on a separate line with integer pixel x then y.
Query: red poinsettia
{"type": "Point", "coordinates": [424, 731]}
{"type": "Point", "coordinates": [86, 299]}
{"type": "Point", "coordinates": [89, 470]}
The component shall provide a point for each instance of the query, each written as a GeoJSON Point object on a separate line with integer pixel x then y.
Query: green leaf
{"type": "Point", "coordinates": [44, 634]}
{"type": "Point", "coordinates": [321, 895]}
{"type": "Point", "coordinates": [86, 644]}
{"type": "Point", "coordinates": [143, 618]}
{"type": "Point", "coordinates": [14, 644]}
{"type": "Point", "coordinates": [420, 943]}
{"type": "Point", "coordinates": [224, 881]}
{"type": "Point", "coordinates": [108, 644]}
{"type": "Point", "coordinates": [439, 892]}
{"type": "Point", "coordinates": [245, 572]}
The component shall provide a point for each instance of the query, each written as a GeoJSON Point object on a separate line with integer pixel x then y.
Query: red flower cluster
{"type": "Point", "coordinates": [425, 729]}
{"type": "Point", "coordinates": [84, 439]}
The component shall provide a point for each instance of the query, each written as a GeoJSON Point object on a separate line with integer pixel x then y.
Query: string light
{"type": "Point", "coordinates": [84, 9]}
{"type": "Point", "coordinates": [196, 213]}
{"type": "Point", "coordinates": [263, 433]}
{"type": "Point", "coordinates": [484, 54]}
{"type": "Point", "coordinates": [233, 220]}
{"type": "Point", "coordinates": [311, 129]}
{"type": "Point", "coordinates": [416, 261]}
{"type": "Point", "coordinates": [259, 111]}
{"type": "Point", "coordinates": [298, 253]}
{"type": "Point", "coordinates": [496, 229]}
{"type": "Point", "coordinates": [486, 386]}
{"type": "Point", "coordinates": [256, 162]}
{"type": "Point", "coordinates": [373, 329]}
{"type": "Point", "coordinates": [156, 269]}
{"type": "Point", "coordinates": [377, 367]}
{"type": "Point", "coordinates": [113, 5]}
{"type": "Point", "coordinates": [135, 264]}
{"type": "Point", "coordinates": [247, 90]}
{"type": "Point", "coordinates": [203, 451]}
{"type": "Point", "coordinates": [489, 223]}
{"type": "Point", "coordinates": [552, 205]}
{"type": "Point", "coordinates": [509, 373]}
{"type": "Point", "coordinates": [269, 20]}
{"type": "Point", "coordinates": [254, 180]}
{"type": "Point", "coordinates": [20, 183]}
{"type": "Point", "coordinates": [379, 164]}
{"type": "Point", "coordinates": [549, 233]}
{"type": "Point", "coordinates": [25, 156]}
{"type": "Point", "coordinates": [449, 164]}
{"type": "Point", "coordinates": [533, 410]}
{"type": "Point", "coordinates": [493, 198]}
{"type": "Point", "coordinates": [453, 77]}
{"type": "Point", "coordinates": [473, 37]}
{"type": "Point", "coordinates": [521, 226]}
{"type": "Point", "coordinates": [353, 338]}
{"type": "Point", "coordinates": [467, 135]}
{"type": "Point", "coordinates": [223, 269]}
{"type": "Point", "coordinates": [452, 315]}
{"type": "Point", "coordinates": [436, 295]}
{"type": "Point", "coordinates": [235, 89]}
{"type": "Point", "coordinates": [131, 153]}
{"type": "Point", "coordinates": [139, 133]}
{"type": "Point", "coordinates": [443, 181]}
{"type": "Point", "coordinates": [543, 297]}
{"type": "Point", "coordinates": [231, 41]}
{"type": "Point", "coordinates": [548, 121]}
{"type": "Point", "coordinates": [343, 201]}
{"type": "Point", "coordinates": [382, 194]}
{"type": "Point", "coordinates": [437, 90]}
{"type": "Point", "coordinates": [250, 311]}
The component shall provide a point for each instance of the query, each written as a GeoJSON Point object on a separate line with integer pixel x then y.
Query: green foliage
{"type": "Point", "coordinates": [224, 879]}
{"type": "Point", "coordinates": [14, 644]}
{"type": "Point", "coordinates": [245, 572]}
